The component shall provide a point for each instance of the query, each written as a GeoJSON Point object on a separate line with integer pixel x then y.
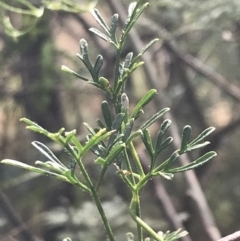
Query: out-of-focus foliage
{"type": "Point", "coordinates": [31, 11]}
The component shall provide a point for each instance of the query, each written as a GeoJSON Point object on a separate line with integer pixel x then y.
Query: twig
{"type": "Point", "coordinates": [232, 237]}
{"type": "Point", "coordinates": [191, 179]}
{"type": "Point", "coordinates": [219, 80]}
{"type": "Point", "coordinates": [14, 217]}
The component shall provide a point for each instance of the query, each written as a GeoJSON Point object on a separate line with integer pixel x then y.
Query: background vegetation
{"type": "Point", "coordinates": [194, 66]}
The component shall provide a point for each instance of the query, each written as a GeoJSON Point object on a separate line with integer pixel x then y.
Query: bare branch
{"type": "Point", "coordinates": [232, 237]}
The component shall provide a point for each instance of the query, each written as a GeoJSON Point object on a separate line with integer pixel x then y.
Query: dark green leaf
{"type": "Point", "coordinates": [118, 121]}
{"type": "Point", "coordinates": [107, 114]}
{"type": "Point", "coordinates": [147, 140]}
{"type": "Point", "coordinates": [100, 124]}
{"type": "Point", "coordinates": [164, 145]}
{"type": "Point", "coordinates": [98, 64]}
{"type": "Point", "coordinates": [185, 138]}
{"type": "Point", "coordinates": [168, 163]}
{"type": "Point", "coordinates": [128, 130]}
{"type": "Point", "coordinates": [164, 127]}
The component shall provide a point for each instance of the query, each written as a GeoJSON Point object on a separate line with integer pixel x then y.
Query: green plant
{"type": "Point", "coordinates": [113, 140]}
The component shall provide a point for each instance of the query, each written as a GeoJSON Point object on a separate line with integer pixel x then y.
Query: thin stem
{"type": "Point", "coordinates": [136, 160]}
{"type": "Point", "coordinates": [138, 213]}
{"type": "Point", "coordinates": [97, 200]}
{"type": "Point", "coordinates": [139, 221]}
{"type": "Point", "coordinates": [93, 193]}
{"type": "Point", "coordinates": [129, 167]}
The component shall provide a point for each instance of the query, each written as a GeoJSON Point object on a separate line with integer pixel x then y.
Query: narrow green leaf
{"type": "Point", "coordinates": [170, 161]}
{"type": "Point", "coordinates": [107, 114]}
{"type": "Point", "coordinates": [147, 140]}
{"type": "Point", "coordinates": [100, 124]}
{"type": "Point", "coordinates": [96, 14]}
{"type": "Point", "coordinates": [31, 123]}
{"type": "Point", "coordinates": [144, 101]}
{"type": "Point", "coordinates": [120, 159]}
{"type": "Point", "coordinates": [90, 129]}
{"type": "Point", "coordinates": [140, 112]}
{"type": "Point", "coordinates": [128, 130]}
{"type": "Point", "coordinates": [203, 135]}
{"type": "Point", "coordinates": [98, 64]}
{"type": "Point", "coordinates": [200, 161]}
{"type": "Point", "coordinates": [185, 138]}
{"type": "Point", "coordinates": [144, 50]}
{"type": "Point", "coordinates": [190, 148]}
{"type": "Point", "coordinates": [68, 70]}
{"type": "Point", "coordinates": [69, 135]}
{"type": "Point", "coordinates": [131, 8]}
{"type": "Point", "coordinates": [32, 169]}
{"type": "Point", "coordinates": [77, 143]}
{"type": "Point", "coordinates": [128, 60]}
{"type": "Point", "coordinates": [114, 24]}
{"type": "Point", "coordinates": [164, 127]}
{"type": "Point", "coordinates": [118, 121]}
{"type": "Point", "coordinates": [164, 145]}
{"type": "Point", "coordinates": [84, 55]}
{"type": "Point", "coordinates": [46, 152]}
{"type": "Point", "coordinates": [52, 166]}
{"type": "Point", "coordinates": [133, 136]}
{"type": "Point", "coordinates": [168, 176]}
{"type": "Point", "coordinates": [101, 35]}
{"type": "Point", "coordinates": [136, 13]}
{"type": "Point", "coordinates": [114, 153]}
{"type": "Point", "coordinates": [95, 139]}
{"type": "Point", "coordinates": [154, 118]}
{"type": "Point", "coordinates": [114, 138]}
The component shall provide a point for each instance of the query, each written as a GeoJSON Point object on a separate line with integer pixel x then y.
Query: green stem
{"type": "Point", "coordinates": [136, 160]}
{"type": "Point", "coordinates": [141, 223]}
{"type": "Point", "coordinates": [97, 200]}
{"type": "Point", "coordinates": [143, 181]}
{"type": "Point", "coordinates": [138, 214]}
{"type": "Point", "coordinates": [129, 167]}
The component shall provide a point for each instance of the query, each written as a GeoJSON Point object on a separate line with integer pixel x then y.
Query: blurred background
{"type": "Point", "coordinates": [195, 68]}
